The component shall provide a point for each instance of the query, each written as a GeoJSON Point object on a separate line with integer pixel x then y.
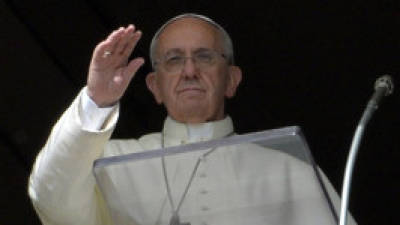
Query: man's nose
{"type": "Point", "coordinates": [189, 67]}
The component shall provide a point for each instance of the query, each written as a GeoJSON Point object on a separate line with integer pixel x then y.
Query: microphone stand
{"type": "Point", "coordinates": [383, 87]}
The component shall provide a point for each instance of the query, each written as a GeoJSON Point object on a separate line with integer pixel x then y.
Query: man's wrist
{"type": "Point", "coordinates": [93, 116]}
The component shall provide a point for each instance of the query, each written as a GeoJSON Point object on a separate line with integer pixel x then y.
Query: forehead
{"type": "Point", "coordinates": [189, 34]}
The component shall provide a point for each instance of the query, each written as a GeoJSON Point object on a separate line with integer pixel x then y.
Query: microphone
{"type": "Point", "coordinates": [383, 87]}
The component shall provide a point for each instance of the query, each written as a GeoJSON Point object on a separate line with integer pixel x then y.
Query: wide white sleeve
{"type": "Point", "coordinates": [61, 186]}
{"type": "Point", "coordinates": [92, 116]}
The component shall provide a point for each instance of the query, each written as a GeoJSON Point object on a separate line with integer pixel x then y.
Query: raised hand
{"type": "Point", "coordinates": [109, 71]}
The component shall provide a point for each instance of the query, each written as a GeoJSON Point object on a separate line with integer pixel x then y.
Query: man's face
{"type": "Point", "coordinates": [194, 93]}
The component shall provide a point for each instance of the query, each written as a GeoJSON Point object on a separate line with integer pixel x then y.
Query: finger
{"type": "Point", "coordinates": [108, 45]}
{"type": "Point", "coordinates": [99, 53]}
{"type": "Point", "coordinates": [130, 70]}
{"type": "Point", "coordinates": [124, 39]}
{"type": "Point", "coordinates": [132, 43]}
{"type": "Point", "coordinates": [113, 39]}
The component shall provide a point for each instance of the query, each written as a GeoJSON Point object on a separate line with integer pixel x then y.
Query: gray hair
{"type": "Point", "coordinates": [226, 39]}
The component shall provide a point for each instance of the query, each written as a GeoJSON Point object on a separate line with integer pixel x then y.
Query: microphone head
{"type": "Point", "coordinates": [385, 82]}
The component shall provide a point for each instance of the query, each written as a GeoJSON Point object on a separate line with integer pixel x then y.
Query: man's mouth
{"type": "Point", "coordinates": [191, 91]}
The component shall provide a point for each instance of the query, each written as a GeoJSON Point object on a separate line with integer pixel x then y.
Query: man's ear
{"type": "Point", "coordinates": [151, 82]}
{"type": "Point", "coordinates": [234, 79]}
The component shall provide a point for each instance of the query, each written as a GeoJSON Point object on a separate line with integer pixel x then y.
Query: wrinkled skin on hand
{"type": "Point", "coordinates": [110, 72]}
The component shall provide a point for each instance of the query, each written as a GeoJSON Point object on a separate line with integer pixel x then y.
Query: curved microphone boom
{"type": "Point", "coordinates": [383, 87]}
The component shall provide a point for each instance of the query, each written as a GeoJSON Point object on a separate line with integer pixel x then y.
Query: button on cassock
{"type": "Point", "coordinates": [203, 191]}
{"type": "Point", "coordinates": [205, 208]}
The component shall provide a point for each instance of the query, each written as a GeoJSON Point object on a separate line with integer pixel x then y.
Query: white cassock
{"type": "Point", "coordinates": [235, 185]}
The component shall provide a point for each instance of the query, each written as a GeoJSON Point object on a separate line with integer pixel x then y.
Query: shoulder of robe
{"type": "Point", "coordinates": [125, 146]}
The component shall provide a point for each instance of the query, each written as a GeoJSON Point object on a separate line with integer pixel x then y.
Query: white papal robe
{"type": "Point", "coordinates": [253, 186]}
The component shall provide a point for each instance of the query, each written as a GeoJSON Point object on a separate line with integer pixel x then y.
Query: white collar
{"type": "Point", "coordinates": [177, 133]}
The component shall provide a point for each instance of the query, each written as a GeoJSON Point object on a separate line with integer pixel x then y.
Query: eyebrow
{"type": "Point", "coordinates": [174, 51]}
{"type": "Point", "coordinates": [180, 51]}
{"type": "Point", "coordinates": [202, 50]}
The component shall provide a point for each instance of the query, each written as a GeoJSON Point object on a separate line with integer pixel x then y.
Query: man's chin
{"type": "Point", "coordinates": [191, 112]}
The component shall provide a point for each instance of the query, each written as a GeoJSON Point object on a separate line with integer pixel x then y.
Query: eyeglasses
{"type": "Point", "coordinates": [203, 59]}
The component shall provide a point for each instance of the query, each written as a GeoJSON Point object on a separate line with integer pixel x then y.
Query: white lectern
{"type": "Point", "coordinates": [253, 179]}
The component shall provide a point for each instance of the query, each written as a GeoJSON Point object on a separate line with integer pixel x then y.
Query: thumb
{"type": "Point", "coordinates": [132, 67]}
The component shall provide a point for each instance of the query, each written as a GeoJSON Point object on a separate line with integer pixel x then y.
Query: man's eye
{"type": "Point", "coordinates": [204, 57]}
{"type": "Point", "coordinates": [174, 59]}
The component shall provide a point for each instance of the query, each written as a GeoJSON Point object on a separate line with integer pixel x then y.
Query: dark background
{"type": "Point", "coordinates": [306, 63]}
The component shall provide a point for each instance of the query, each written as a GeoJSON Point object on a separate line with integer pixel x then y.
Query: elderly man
{"type": "Point", "coordinates": [193, 73]}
